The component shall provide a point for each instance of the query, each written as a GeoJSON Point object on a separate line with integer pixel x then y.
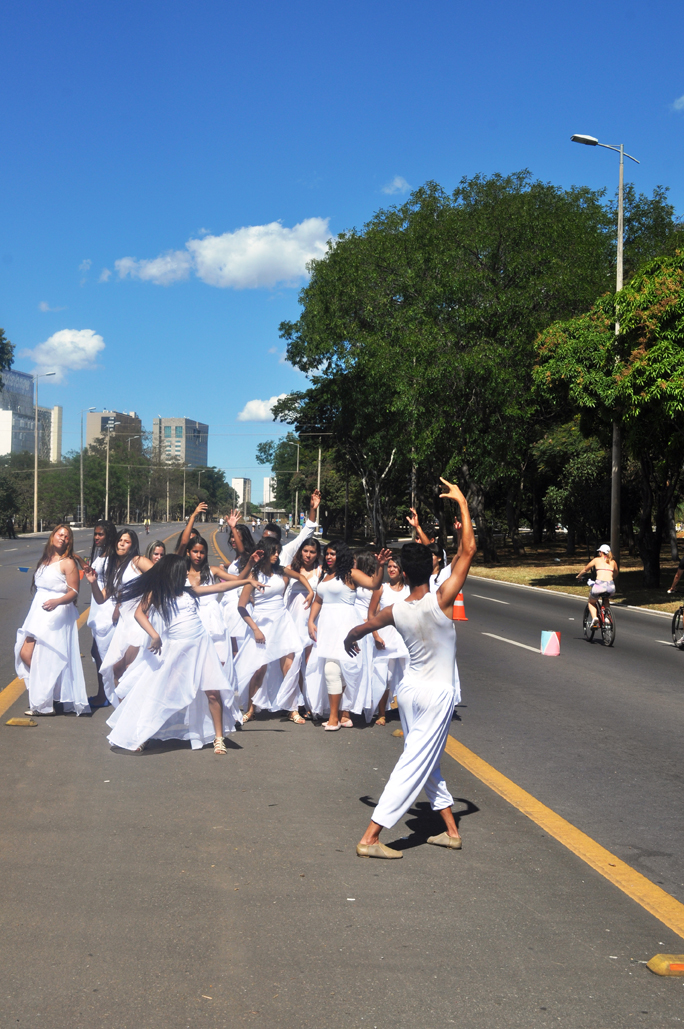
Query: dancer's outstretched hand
{"type": "Point", "coordinates": [90, 574]}
{"type": "Point", "coordinates": [155, 644]}
{"type": "Point", "coordinates": [351, 646]}
{"type": "Point", "coordinates": [453, 492]}
{"type": "Point", "coordinates": [412, 518]}
{"type": "Point", "coordinates": [315, 499]}
{"type": "Point", "coordinates": [384, 556]}
{"type": "Point", "coordinates": [233, 518]}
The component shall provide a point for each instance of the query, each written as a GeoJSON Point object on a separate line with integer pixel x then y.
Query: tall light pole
{"type": "Point", "coordinates": [110, 426]}
{"type": "Point", "coordinates": [43, 375]}
{"type": "Point", "coordinates": [128, 501]}
{"type": "Point", "coordinates": [88, 409]}
{"type": "Point", "coordinates": [616, 462]}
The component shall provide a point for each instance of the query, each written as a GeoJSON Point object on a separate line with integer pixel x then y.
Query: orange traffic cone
{"type": "Point", "coordinates": [459, 614]}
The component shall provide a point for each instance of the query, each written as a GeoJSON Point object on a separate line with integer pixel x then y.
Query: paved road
{"type": "Point", "coordinates": [177, 889]}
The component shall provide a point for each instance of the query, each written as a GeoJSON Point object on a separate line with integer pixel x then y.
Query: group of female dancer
{"type": "Point", "coordinates": [188, 650]}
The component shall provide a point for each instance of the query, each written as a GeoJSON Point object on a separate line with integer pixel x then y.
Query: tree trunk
{"type": "Point", "coordinates": [476, 503]}
{"type": "Point", "coordinates": [672, 531]}
{"type": "Point", "coordinates": [570, 541]}
{"type": "Point", "coordinates": [513, 520]}
{"type": "Point", "coordinates": [648, 540]}
{"type": "Point", "coordinates": [537, 519]}
{"type": "Point", "coordinates": [628, 533]}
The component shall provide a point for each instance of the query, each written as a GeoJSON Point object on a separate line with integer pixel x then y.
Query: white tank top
{"type": "Point", "coordinates": [334, 591]}
{"type": "Point", "coordinates": [430, 637]}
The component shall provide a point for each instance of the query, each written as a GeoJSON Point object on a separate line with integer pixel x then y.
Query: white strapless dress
{"type": "Point", "coordinates": [56, 672]}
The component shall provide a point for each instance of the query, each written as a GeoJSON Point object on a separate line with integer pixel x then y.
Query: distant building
{"type": "Point", "coordinates": [180, 441]}
{"type": "Point", "coordinates": [17, 426]}
{"type": "Point", "coordinates": [129, 425]}
{"type": "Point", "coordinates": [243, 488]}
{"type": "Point", "coordinates": [269, 490]}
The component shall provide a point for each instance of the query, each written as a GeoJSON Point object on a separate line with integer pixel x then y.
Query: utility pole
{"type": "Point", "coordinates": [128, 501]}
{"type": "Point", "coordinates": [318, 486]}
{"type": "Point", "coordinates": [110, 426]}
{"type": "Point", "coordinates": [46, 375]}
{"type": "Point", "coordinates": [167, 498]}
{"type": "Point", "coordinates": [89, 409]}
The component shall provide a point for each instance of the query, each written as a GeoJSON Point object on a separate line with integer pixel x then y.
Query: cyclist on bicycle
{"type": "Point", "coordinates": [606, 569]}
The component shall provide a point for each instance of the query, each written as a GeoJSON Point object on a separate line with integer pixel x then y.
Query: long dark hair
{"type": "Point", "coordinates": [108, 548]}
{"type": "Point", "coordinates": [269, 547]}
{"type": "Point", "coordinates": [247, 542]}
{"type": "Point", "coordinates": [366, 562]}
{"type": "Point", "coordinates": [162, 584]}
{"type": "Point", "coordinates": [116, 566]}
{"type": "Point", "coordinates": [345, 559]}
{"type": "Point", "coordinates": [297, 562]}
{"type": "Point", "coordinates": [204, 569]}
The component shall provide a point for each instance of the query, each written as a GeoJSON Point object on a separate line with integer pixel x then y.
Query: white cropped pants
{"type": "Point", "coordinates": [426, 710]}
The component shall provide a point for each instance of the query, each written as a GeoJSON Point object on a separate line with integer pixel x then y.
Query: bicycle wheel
{"type": "Point", "coordinates": [586, 624]}
{"type": "Point", "coordinates": [678, 627]}
{"type": "Point", "coordinates": [608, 628]}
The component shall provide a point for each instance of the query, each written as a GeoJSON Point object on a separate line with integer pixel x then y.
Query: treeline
{"type": "Point", "coordinates": [137, 482]}
{"type": "Point", "coordinates": [473, 334]}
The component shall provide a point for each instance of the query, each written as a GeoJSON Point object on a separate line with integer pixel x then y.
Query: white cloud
{"type": "Point", "coordinates": [259, 410]}
{"type": "Point", "coordinates": [85, 266]}
{"type": "Point", "coordinates": [253, 257]}
{"type": "Point", "coordinates": [105, 275]}
{"type": "Point", "coordinates": [66, 350]}
{"type": "Point", "coordinates": [44, 306]}
{"type": "Point", "coordinates": [678, 104]}
{"type": "Point", "coordinates": [397, 185]}
{"type": "Point", "coordinates": [163, 270]}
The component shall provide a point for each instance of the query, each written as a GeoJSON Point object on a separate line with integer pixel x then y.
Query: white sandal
{"type": "Point", "coordinates": [219, 746]}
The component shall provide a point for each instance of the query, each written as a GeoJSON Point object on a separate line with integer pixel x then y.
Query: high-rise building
{"type": "Point", "coordinates": [17, 413]}
{"type": "Point", "coordinates": [243, 488]}
{"type": "Point", "coordinates": [180, 441]}
{"type": "Point", "coordinates": [122, 423]}
{"type": "Point", "coordinates": [269, 490]}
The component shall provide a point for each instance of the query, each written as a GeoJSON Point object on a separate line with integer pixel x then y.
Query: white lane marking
{"type": "Point", "coordinates": [668, 643]}
{"type": "Point", "coordinates": [11, 550]}
{"type": "Point", "coordinates": [493, 599]}
{"type": "Point", "coordinates": [535, 650]}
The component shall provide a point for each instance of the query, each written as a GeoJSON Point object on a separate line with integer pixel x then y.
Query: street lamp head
{"type": "Point", "coordinates": [587, 140]}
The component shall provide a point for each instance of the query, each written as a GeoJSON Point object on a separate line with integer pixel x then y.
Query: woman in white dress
{"type": "Point", "coordinates": [47, 654]}
{"type": "Point", "coordinates": [100, 615]}
{"type": "Point", "coordinates": [308, 562]}
{"type": "Point", "coordinates": [391, 656]}
{"type": "Point", "coordinates": [201, 573]}
{"type": "Point", "coordinates": [182, 691]}
{"type": "Point", "coordinates": [330, 668]}
{"type": "Point", "coordinates": [267, 664]}
{"type": "Point", "coordinates": [242, 542]}
{"type": "Point", "coordinates": [127, 564]}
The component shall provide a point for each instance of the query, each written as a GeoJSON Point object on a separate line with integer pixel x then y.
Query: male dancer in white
{"type": "Point", "coordinates": [426, 696]}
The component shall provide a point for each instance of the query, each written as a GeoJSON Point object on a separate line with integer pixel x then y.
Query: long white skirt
{"type": "Point", "coordinates": [166, 701]}
{"type": "Point", "coordinates": [334, 622]}
{"type": "Point", "coordinates": [389, 666]}
{"type": "Point", "coordinates": [101, 625]}
{"type": "Point", "coordinates": [56, 672]}
{"type": "Point", "coordinates": [276, 693]}
{"type": "Point", "coordinates": [127, 633]}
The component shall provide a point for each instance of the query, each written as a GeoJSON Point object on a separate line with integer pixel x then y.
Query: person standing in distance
{"type": "Point", "coordinates": [427, 694]}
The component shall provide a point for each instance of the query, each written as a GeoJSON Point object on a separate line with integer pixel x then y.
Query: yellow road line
{"type": "Point", "coordinates": [10, 694]}
{"type": "Point", "coordinates": [218, 549]}
{"type": "Point", "coordinates": [659, 903]}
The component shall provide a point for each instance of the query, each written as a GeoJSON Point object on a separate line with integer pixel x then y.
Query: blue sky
{"type": "Point", "coordinates": [133, 132]}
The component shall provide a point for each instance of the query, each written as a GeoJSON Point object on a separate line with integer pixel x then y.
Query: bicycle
{"type": "Point", "coordinates": [678, 628]}
{"type": "Point", "coordinates": [605, 620]}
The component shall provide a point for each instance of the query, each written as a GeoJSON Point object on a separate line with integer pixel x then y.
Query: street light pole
{"type": "Point", "coordinates": [128, 500]}
{"type": "Point", "coordinates": [616, 461]}
{"type": "Point", "coordinates": [110, 426]}
{"type": "Point", "coordinates": [88, 409]}
{"type": "Point", "coordinates": [318, 485]}
{"type": "Point", "coordinates": [45, 375]}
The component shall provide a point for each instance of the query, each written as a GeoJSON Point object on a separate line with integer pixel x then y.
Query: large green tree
{"type": "Point", "coordinates": [636, 377]}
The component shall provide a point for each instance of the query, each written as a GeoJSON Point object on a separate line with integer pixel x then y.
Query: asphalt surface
{"type": "Point", "coordinates": [178, 889]}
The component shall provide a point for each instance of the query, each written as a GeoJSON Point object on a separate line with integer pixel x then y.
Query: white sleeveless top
{"type": "Point", "coordinates": [334, 591]}
{"type": "Point", "coordinates": [430, 637]}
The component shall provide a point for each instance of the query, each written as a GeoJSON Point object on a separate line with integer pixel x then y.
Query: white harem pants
{"type": "Point", "coordinates": [426, 710]}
